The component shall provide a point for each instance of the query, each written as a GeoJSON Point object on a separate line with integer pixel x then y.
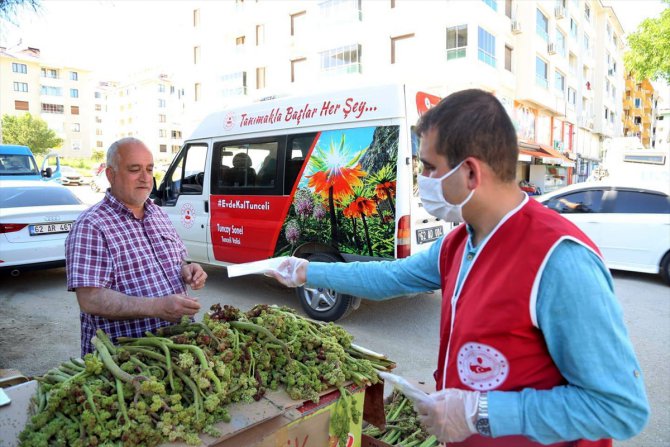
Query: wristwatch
{"type": "Point", "coordinates": [482, 424]}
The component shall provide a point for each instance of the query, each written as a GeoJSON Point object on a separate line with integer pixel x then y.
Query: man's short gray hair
{"type": "Point", "coordinates": [113, 149]}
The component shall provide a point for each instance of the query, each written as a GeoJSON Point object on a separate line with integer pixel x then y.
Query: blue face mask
{"type": "Point", "coordinates": [430, 191]}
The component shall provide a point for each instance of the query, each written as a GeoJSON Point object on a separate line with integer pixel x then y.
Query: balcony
{"type": "Point", "coordinates": [628, 103]}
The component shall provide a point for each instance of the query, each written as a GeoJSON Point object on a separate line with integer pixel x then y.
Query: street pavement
{"type": "Point", "coordinates": [40, 326]}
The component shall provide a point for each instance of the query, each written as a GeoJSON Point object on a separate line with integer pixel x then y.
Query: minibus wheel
{"type": "Point", "coordinates": [325, 304]}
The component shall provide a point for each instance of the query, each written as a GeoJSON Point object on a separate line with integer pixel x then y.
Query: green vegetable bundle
{"type": "Point", "coordinates": [402, 425]}
{"type": "Point", "coordinates": [175, 384]}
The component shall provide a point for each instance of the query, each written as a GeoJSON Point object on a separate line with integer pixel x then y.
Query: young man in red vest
{"type": "Point", "coordinates": [533, 348]}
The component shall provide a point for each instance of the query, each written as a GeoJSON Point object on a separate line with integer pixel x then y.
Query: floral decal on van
{"type": "Point", "coordinates": [346, 195]}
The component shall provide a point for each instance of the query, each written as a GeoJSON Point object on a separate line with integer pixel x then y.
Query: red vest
{"type": "Point", "coordinates": [491, 340]}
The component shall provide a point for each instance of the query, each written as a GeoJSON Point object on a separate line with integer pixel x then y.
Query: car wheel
{"type": "Point", "coordinates": [665, 268]}
{"type": "Point", "coordinates": [325, 304]}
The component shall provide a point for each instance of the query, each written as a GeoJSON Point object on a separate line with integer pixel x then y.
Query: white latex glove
{"type": "Point", "coordinates": [292, 272]}
{"type": "Point", "coordinates": [449, 414]}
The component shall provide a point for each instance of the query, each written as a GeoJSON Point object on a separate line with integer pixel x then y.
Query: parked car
{"type": "Point", "coordinates": [35, 218]}
{"type": "Point", "coordinates": [18, 163]}
{"type": "Point", "coordinates": [630, 224]}
{"type": "Point", "coordinates": [70, 176]}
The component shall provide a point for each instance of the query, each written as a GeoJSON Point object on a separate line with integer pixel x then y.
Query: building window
{"type": "Point", "coordinates": [573, 28]}
{"type": "Point", "coordinates": [572, 62]}
{"type": "Point", "coordinates": [161, 103]}
{"type": "Point", "coordinates": [260, 35]}
{"type": "Point", "coordinates": [401, 48]}
{"type": "Point", "coordinates": [74, 76]}
{"type": "Point", "coordinates": [542, 25]}
{"type": "Point", "coordinates": [297, 21]}
{"type": "Point", "coordinates": [163, 148]}
{"type": "Point", "coordinates": [175, 148]}
{"type": "Point", "coordinates": [162, 133]}
{"type": "Point", "coordinates": [341, 60]}
{"type": "Point", "coordinates": [98, 143]}
{"type": "Point", "coordinates": [52, 108]}
{"type": "Point", "coordinates": [97, 95]}
{"type": "Point", "coordinates": [587, 12]}
{"type": "Point", "coordinates": [161, 89]}
{"type": "Point", "coordinates": [196, 55]}
{"type": "Point", "coordinates": [260, 78]}
{"type": "Point", "coordinates": [51, 91]}
{"type": "Point", "coordinates": [20, 86]}
{"type": "Point", "coordinates": [341, 10]}
{"type": "Point", "coordinates": [572, 96]}
{"type": "Point", "coordinates": [487, 47]}
{"type": "Point", "coordinates": [196, 18]}
{"type": "Point", "coordinates": [540, 72]}
{"type": "Point", "coordinates": [75, 127]}
{"type": "Point", "coordinates": [638, 103]}
{"type": "Point", "coordinates": [508, 58]}
{"type": "Point", "coordinates": [587, 44]}
{"type": "Point", "coordinates": [298, 69]}
{"type": "Point", "coordinates": [98, 131]}
{"type": "Point", "coordinates": [239, 41]}
{"type": "Point", "coordinates": [19, 68]}
{"type": "Point", "coordinates": [74, 93]}
{"type": "Point", "coordinates": [560, 43]}
{"type": "Point", "coordinates": [233, 84]}
{"type": "Point", "coordinates": [492, 3]}
{"type": "Point", "coordinates": [457, 41]}
{"type": "Point", "coordinates": [98, 108]}
{"type": "Point", "coordinates": [162, 118]}
{"type": "Point", "coordinates": [559, 82]}
{"type": "Point", "coordinates": [21, 105]}
{"type": "Point", "coordinates": [176, 134]}
{"type": "Point", "coordinates": [74, 110]}
{"type": "Point", "coordinates": [508, 8]}
{"type": "Point", "coordinates": [196, 92]}
{"type": "Point", "coordinates": [49, 73]}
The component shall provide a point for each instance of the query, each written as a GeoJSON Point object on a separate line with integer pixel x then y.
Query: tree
{"type": "Point", "coordinates": [649, 54]}
{"type": "Point", "coordinates": [8, 8]}
{"type": "Point", "coordinates": [98, 156]}
{"type": "Point", "coordinates": [27, 130]}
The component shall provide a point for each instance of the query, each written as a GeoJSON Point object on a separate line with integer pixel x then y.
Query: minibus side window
{"type": "Point", "coordinates": [296, 154]}
{"type": "Point", "coordinates": [187, 175]}
{"type": "Point", "coordinates": [246, 168]}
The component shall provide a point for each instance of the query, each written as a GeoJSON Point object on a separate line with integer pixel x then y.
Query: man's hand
{"type": "Point", "coordinates": [449, 414]}
{"type": "Point", "coordinates": [173, 307]}
{"type": "Point", "coordinates": [193, 275]}
{"type": "Point", "coordinates": [292, 272]}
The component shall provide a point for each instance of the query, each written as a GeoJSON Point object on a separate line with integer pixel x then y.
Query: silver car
{"type": "Point", "coordinates": [35, 218]}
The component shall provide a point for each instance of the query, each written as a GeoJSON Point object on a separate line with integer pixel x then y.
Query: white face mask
{"type": "Point", "coordinates": [430, 191]}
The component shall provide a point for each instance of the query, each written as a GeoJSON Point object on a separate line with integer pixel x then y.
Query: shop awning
{"type": "Point", "coordinates": [562, 159]}
{"type": "Point", "coordinates": [546, 154]}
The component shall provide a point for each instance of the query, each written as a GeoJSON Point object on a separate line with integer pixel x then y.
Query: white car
{"type": "Point", "coordinates": [629, 223]}
{"type": "Point", "coordinates": [70, 176]}
{"type": "Point", "coordinates": [35, 218]}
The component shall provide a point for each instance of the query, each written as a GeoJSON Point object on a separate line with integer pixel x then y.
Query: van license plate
{"type": "Point", "coordinates": [36, 230]}
{"type": "Point", "coordinates": [425, 235]}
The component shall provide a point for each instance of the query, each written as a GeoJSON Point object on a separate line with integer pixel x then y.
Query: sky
{"type": "Point", "coordinates": [113, 36]}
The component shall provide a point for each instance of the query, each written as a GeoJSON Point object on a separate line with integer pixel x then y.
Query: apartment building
{"type": "Point", "coordinates": [638, 109]}
{"type": "Point", "coordinates": [148, 106]}
{"type": "Point", "coordinates": [61, 95]}
{"type": "Point", "coordinates": [556, 65]}
{"type": "Point", "coordinates": [662, 130]}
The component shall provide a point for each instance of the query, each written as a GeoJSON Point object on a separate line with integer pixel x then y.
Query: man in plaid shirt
{"type": "Point", "coordinates": [124, 258]}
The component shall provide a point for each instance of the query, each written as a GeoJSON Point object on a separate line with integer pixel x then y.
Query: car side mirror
{"type": "Point", "coordinates": [48, 172]}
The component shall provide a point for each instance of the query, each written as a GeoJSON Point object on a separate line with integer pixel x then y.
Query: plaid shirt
{"type": "Point", "coordinates": [109, 248]}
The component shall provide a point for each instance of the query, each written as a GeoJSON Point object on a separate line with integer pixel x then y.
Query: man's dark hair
{"type": "Point", "coordinates": [473, 123]}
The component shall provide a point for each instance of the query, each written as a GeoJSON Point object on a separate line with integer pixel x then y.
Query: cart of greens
{"type": "Point", "coordinates": [179, 382]}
